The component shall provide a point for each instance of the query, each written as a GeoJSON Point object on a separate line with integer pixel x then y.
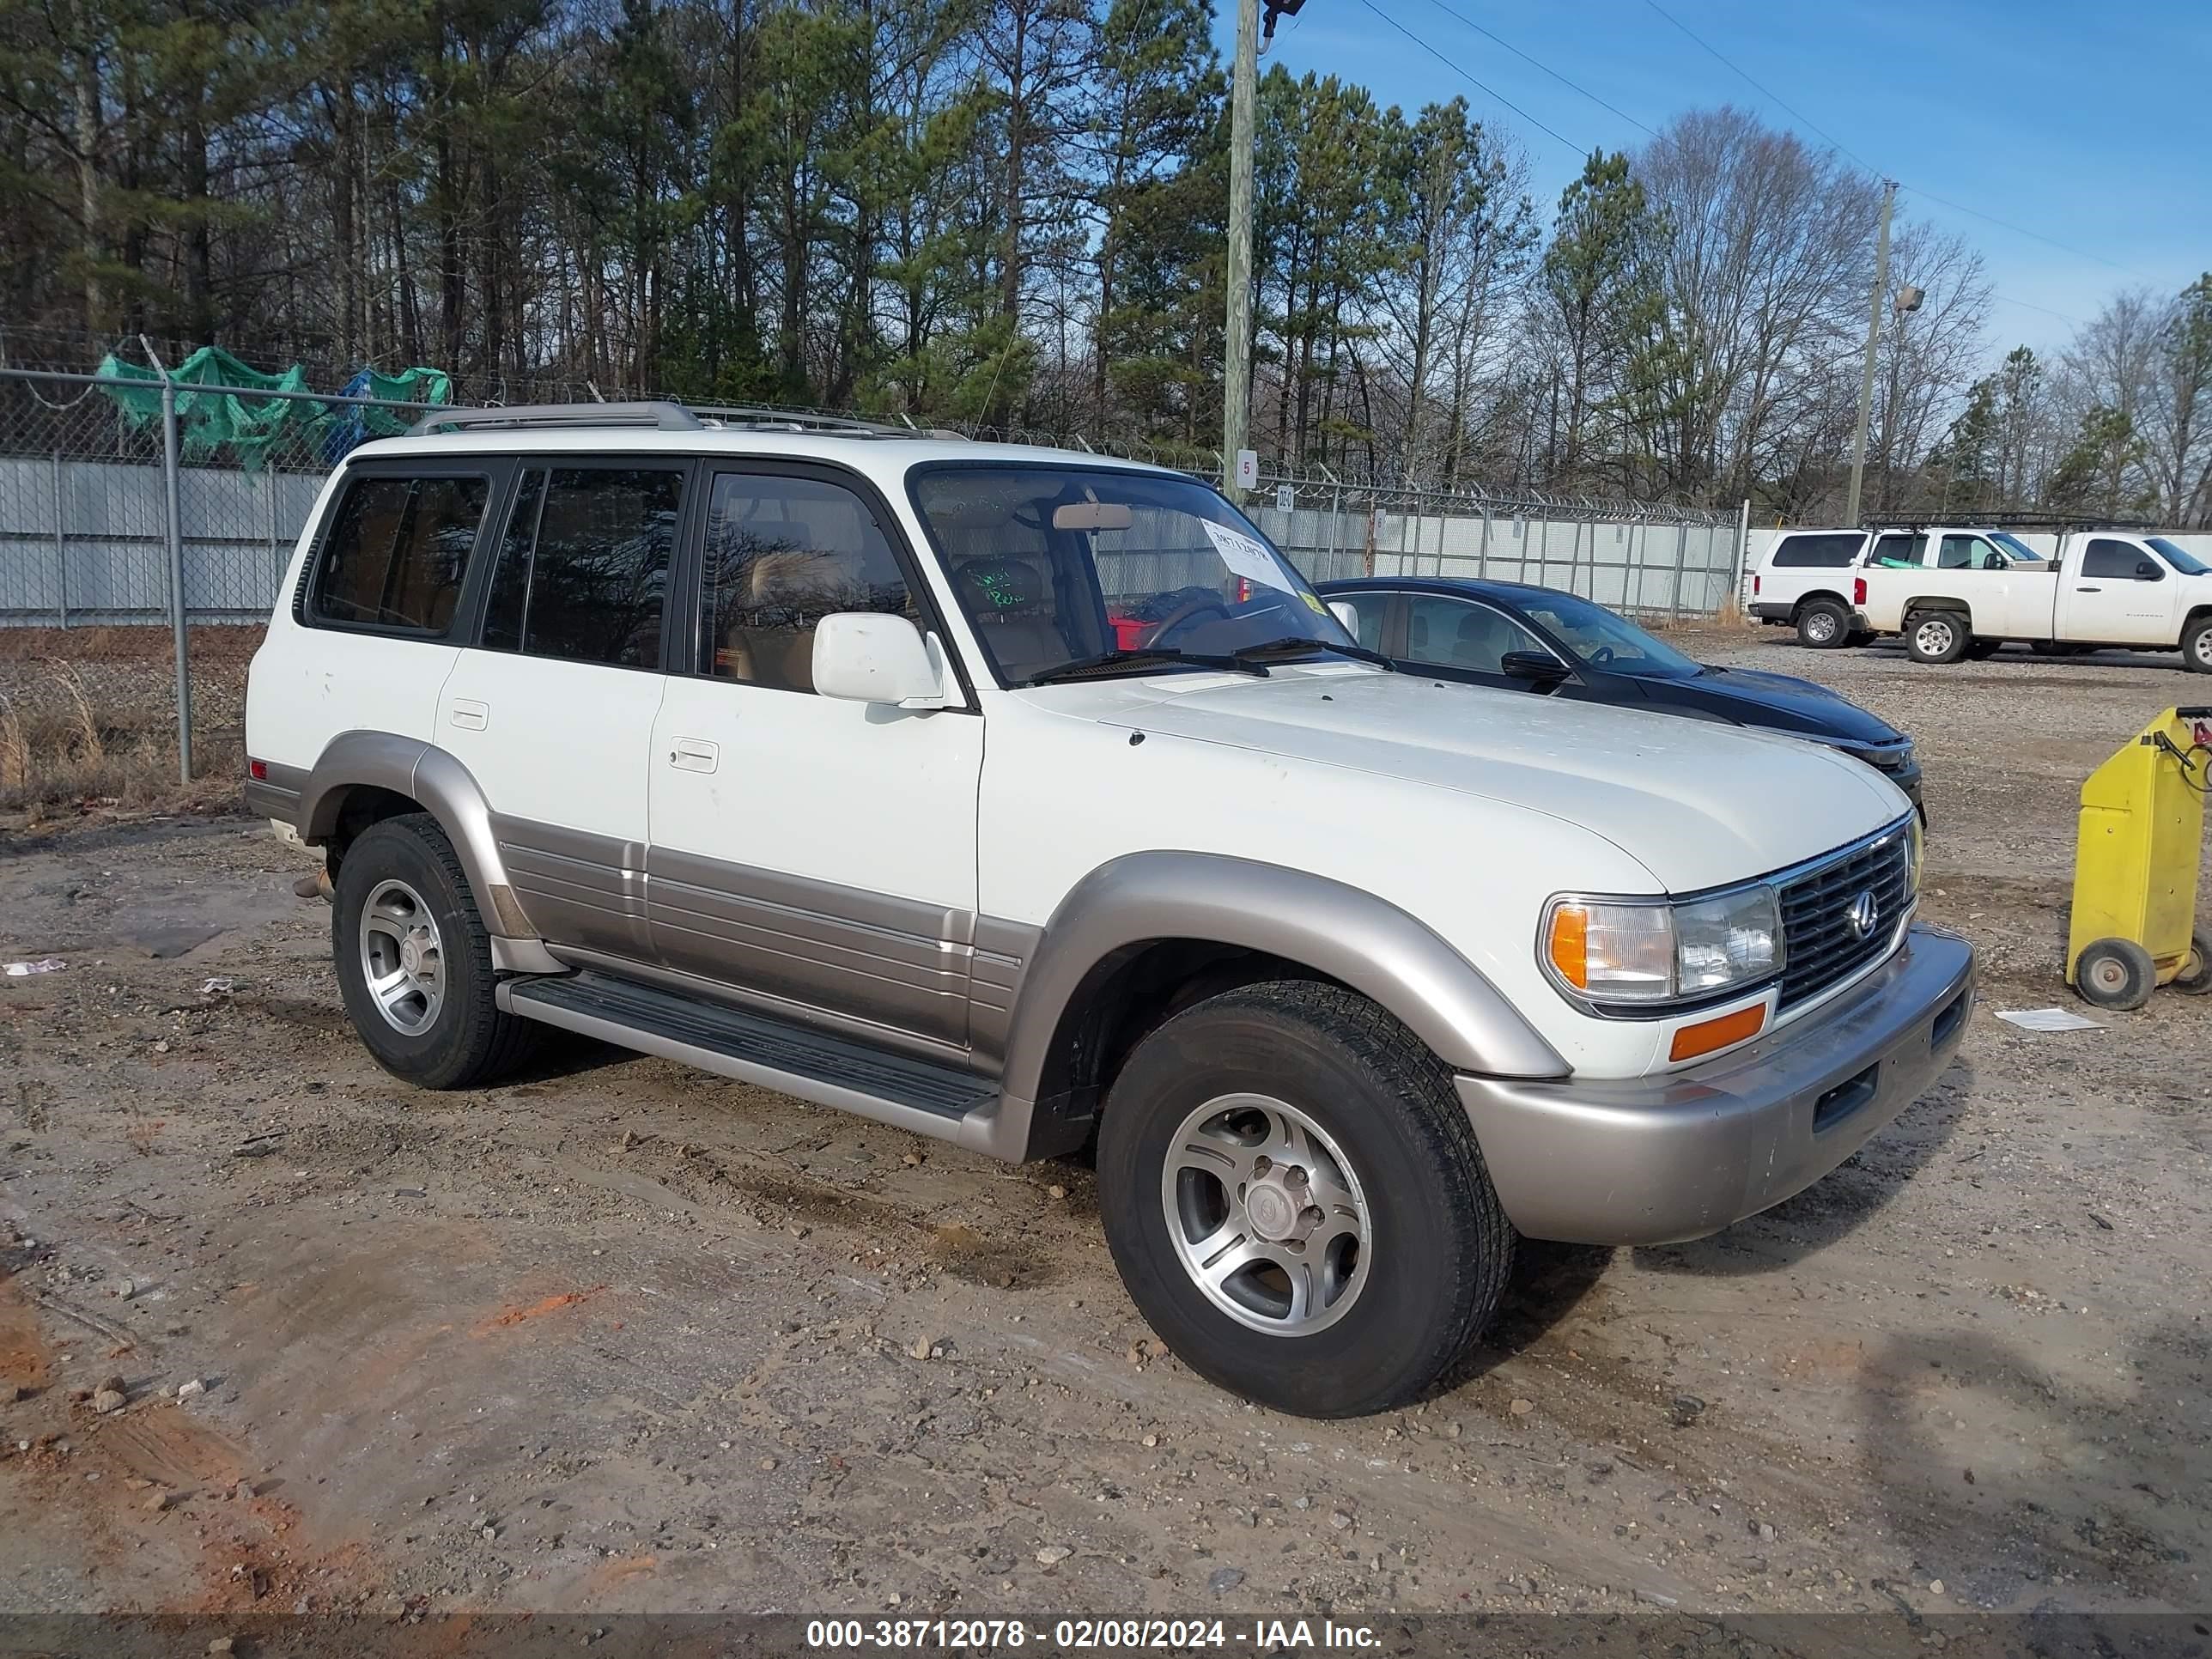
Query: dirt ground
{"type": "Point", "coordinates": [625, 1337]}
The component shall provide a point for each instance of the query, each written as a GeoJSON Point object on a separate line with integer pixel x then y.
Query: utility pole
{"type": "Point", "coordinates": [1874, 339]}
{"type": "Point", "coordinates": [1236, 364]}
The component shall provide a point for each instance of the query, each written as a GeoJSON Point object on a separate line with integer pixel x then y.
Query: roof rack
{"type": "Point", "coordinates": [795, 420]}
{"type": "Point", "coordinates": [667, 416]}
{"type": "Point", "coordinates": [2022, 520]}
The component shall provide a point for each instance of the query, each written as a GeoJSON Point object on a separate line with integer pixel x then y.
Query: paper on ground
{"type": "Point", "coordinates": [2049, 1019]}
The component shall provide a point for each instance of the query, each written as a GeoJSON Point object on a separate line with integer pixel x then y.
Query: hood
{"type": "Point", "coordinates": [1698, 804]}
{"type": "Point", "coordinates": [1783, 700]}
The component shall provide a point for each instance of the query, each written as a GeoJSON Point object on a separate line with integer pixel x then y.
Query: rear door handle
{"type": "Point", "coordinates": [2088, 590]}
{"type": "Point", "coordinates": [694, 755]}
{"type": "Point", "coordinates": [470, 715]}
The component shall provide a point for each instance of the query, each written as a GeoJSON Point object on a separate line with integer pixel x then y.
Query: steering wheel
{"type": "Point", "coordinates": [1182, 614]}
{"type": "Point", "coordinates": [1601, 656]}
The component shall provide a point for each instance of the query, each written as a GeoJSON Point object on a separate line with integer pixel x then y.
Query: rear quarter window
{"type": "Point", "coordinates": [396, 552]}
{"type": "Point", "coordinates": [1831, 551]}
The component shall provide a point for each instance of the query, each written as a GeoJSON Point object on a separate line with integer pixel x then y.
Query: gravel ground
{"type": "Point", "coordinates": [621, 1336]}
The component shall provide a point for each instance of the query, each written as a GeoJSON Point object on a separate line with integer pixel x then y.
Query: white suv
{"type": "Point", "coordinates": [1025, 799]}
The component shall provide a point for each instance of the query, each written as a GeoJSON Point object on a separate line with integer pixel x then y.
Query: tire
{"type": "Point", "coordinates": [1822, 624]}
{"type": "Point", "coordinates": [1412, 1249]}
{"type": "Point", "coordinates": [437, 1026]}
{"type": "Point", "coordinates": [2196, 644]}
{"type": "Point", "coordinates": [1936, 637]}
{"type": "Point", "coordinates": [2195, 978]}
{"type": "Point", "coordinates": [2115, 973]}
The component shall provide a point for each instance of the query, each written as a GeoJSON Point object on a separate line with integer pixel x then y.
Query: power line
{"type": "Point", "coordinates": [2006, 298]}
{"type": "Point", "coordinates": [1570, 85]}
{"type": "Point", "coordinates": [2022, 230]}
{"type": "Point", "coordinates": [1833, 143]}
{"type": "Point", "coordinates": [1553, 133]}
{"type": "Point", "coordinates": [1836, 144]}
{"type": "Point", "coordinates": [1487, 90]}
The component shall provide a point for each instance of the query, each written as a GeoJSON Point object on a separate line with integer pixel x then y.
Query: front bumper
{"type": "Point", "coordinates": [1659, 1159]}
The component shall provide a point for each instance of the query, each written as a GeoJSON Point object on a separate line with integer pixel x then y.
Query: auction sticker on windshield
{"type": "Point", "coordinates": [1247, 557]}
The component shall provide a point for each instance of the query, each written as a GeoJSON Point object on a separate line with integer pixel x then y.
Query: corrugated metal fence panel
{"type": "Point", "coordinates": [105, 561]}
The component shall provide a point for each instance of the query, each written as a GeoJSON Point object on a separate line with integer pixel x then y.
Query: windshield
{"type": "Point", "coordinates": [1056, 566]}
{"type": "Point", "coordinates": [2018, 549]}
{"type": "Point", "coordinates": [1604, 640]}
{"type": "Point", "coordinates": [2179, 557]}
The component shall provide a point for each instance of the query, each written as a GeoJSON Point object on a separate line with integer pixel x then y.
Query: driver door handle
{"type": "Point", "coordinates": [694, 755]}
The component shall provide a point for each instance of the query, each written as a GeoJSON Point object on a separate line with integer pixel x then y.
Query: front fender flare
{"type": "Point", "coordinates": [1380, 951]}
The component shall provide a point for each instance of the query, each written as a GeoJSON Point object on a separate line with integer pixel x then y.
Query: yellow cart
{"type": "Point", "coordinates": [2135, 867]}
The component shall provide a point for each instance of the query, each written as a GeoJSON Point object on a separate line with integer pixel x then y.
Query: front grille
{"type": "Point", "coordinates": [1821, 945]}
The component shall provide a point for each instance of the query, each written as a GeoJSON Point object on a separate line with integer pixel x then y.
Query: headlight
{"type": "Point", "coordinates": [1652, 951]}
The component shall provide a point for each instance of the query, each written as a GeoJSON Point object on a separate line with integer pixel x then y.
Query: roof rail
{"type": "Point", "coordinates": [797, 419]}
{"type": "Point", "coordinates": [2011, 520]}
{"type": "Point", "coordinates": [668, 416]}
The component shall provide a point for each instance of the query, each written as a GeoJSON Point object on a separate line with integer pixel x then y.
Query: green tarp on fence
{"type": "Point", "coordinates": [216, 405]}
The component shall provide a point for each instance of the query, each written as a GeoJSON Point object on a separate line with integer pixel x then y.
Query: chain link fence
{"type": "Point", "coordinates": [135, 506]}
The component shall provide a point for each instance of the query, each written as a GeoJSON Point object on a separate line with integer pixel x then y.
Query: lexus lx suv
{"type": "Point", "coordinates": [1031, 801]}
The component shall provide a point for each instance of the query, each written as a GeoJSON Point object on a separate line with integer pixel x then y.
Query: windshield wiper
{"type": "Point", "coordinates": [1290, 643]}
{"type": "Point", "coordinates": [1143, 654]}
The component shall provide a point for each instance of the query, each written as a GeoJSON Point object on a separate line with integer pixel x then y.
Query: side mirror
{"type": "Point", "coordinates": [1993, 561]}
{"type": "Point", "coordinates": [1537, 667]}
{"type": "Point", "coordinates": [2146, 571]}
{"type": "Point", "coordinates": [867, 656]}
{"type": "Point", "coordinates": [1343, 610]}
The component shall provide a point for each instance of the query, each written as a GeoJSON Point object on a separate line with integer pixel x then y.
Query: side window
{"type": "Point", "coordinates": [395, 553]}
{"type": "Point", "coordinates": [1963, 553]}
{"type": "Point", "coordinates": [1370, 609]}
{"type": "Point", "coordinates": [782, 553]}
{"type": "Point", "coordinates": [1454, 634]}
{"type": "Point", "coordinates": [2116, 560]}
{"type": "Point", "coordinates": [583, 568]}
{"type": "Point", "coordinates": [1896, 550]}
{"type": "Point", "coordinates": [1832, 550]}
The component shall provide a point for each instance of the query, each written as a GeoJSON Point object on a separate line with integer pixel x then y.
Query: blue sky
{"type": "Point", "coordinates": [2091, 124]}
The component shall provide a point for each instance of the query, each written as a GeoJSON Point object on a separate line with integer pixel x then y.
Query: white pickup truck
{"type": "Point", "coordinates": [1955, 591]}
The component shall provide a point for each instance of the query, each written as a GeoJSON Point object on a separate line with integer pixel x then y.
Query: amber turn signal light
{"type": "Point", "coordinates": [1708, 1035]}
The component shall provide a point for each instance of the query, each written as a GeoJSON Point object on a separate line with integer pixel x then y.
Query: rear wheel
{"type": "Point", "coordinates": [2115, 973]}
{"type": "Point", "coordinates": [414, 960]}
{"type": "Point", "coordinates": [1822, 624]}
{"type": "Point", "coordinates": [2196, 644]}
{"type": "Point", "coordinates": [2195, 978]}
{"type": "Point", "coordinates": [1296, 1201]}
{"type": "Point", "coordinates": [1936, 637]}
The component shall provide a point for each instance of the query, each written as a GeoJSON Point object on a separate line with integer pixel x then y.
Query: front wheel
{"type": "Point", "coordinates": [2196, 644]}
{"type": "Point", "coordinates": [1822, 624]}
{"type": "Point", "coordinates": [1296, 1202]}
{"type": "Point", "coordinates": [1936, 637]}
{"type": "Point", "coordinates": [2115, 973]}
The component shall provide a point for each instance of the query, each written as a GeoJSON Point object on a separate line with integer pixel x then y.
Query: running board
{"type": "Point", "coordinates": [916, 1095]}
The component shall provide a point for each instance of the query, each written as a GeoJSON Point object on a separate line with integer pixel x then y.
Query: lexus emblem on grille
{"type": "Point", "coordinates": [1864, 913]}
